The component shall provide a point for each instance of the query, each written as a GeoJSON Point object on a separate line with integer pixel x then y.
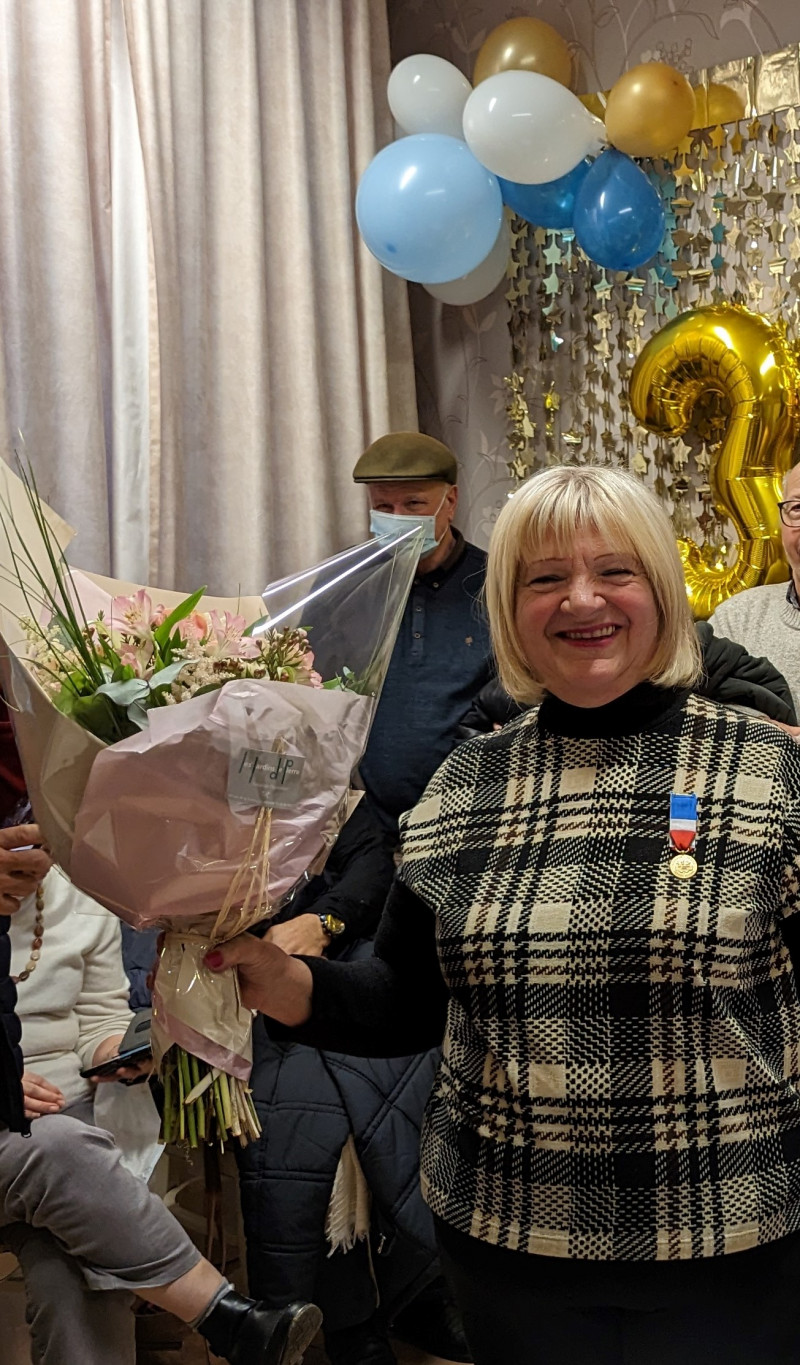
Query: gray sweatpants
{"type": "Point", "coordinates": [88, 1236]}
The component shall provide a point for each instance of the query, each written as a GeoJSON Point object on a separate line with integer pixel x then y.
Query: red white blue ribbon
{"type": "Point", "coordinates": [682, 822]}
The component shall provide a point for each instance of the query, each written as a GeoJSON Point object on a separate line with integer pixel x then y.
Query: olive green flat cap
{"type": "Point", "coordinates": [406, 455]}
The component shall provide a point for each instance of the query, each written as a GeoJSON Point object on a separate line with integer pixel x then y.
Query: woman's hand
{"type": "Point", "coordinates": [40, 1097]}
{"type": "Point", "coordinates": [303, 937]}
{"type": "Point", "coordinates": [271, 981]}
{"type": "Point", "coordinates": [107, 1050]}
{"type": "Point", "coordinates": [21, 868]}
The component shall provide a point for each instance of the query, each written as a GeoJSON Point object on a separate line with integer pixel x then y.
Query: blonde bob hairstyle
{"type": "Point", "coordinates": [549, 511]}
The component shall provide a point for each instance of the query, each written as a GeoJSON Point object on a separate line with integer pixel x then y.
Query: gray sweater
{"type": "Point", "coordinates": [764, 622]}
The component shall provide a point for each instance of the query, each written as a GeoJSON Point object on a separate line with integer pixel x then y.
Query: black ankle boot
{"type": "Point", "coordinates": [245, 1332]}
{"type": "Point", "coordinates": [366, 1344]}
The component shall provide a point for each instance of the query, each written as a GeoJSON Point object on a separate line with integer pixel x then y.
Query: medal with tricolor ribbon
{"type": "Point", "coordinates": [682, 835]}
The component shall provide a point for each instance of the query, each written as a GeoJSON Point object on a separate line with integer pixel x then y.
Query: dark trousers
{"type": "Point", "coordinates": [740, 1309]}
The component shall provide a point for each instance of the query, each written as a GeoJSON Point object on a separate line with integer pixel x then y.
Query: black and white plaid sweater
{"type": "Point", "coordinates": [621, 1073]}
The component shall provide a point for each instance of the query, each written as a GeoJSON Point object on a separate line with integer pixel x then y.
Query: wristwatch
{"type": "Point", "coordinates": [332, 925]}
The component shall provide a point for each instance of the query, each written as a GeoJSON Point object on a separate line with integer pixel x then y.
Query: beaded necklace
{"type": "Point", "coordinates": [38, 935]}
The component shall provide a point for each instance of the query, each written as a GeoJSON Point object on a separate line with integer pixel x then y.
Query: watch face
{"type": "Point", "coordinates": [334, 925]}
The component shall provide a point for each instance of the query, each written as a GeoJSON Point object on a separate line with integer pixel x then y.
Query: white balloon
{"type": "Point", "coordinates": [481, 281]}
{"type": "Point", "coordinates": [427, 95]}
{"type": "Point", "coordinates": [528, 128]}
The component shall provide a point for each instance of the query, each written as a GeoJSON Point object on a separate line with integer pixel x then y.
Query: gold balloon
{"type": "Point", "coordinates": [649, 110]}
{"type": "Point", "coordinates": [596, 104]}
{"type": "Point", "coordinates": [744, 360]}
{"type": "Point", "coordinates": [725, 105]}
{"type": "Point", "coordinates": [524, 45]}
{"type": "Point", "coordinates": [700, 119]}
{"type": "Point", "coordinates": [717, 104]}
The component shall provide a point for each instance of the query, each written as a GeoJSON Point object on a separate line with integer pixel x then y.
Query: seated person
{"type": "Point", "coordinates": [315, 1105]}
{"type": "Point", "coordinates": [88, 1234]}
{"type": "Point", "coordinates": [72, 1003]}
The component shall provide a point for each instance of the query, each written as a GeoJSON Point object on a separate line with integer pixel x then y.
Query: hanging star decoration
{"type": "Point", "coordinates": [732, 233]}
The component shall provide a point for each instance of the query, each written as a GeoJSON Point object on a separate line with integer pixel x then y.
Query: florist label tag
{"type": "Point", "coordinates": [257, 777]}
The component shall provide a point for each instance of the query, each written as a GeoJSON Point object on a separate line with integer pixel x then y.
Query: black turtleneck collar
{"type": "Point", "coordinates": [642, 708]}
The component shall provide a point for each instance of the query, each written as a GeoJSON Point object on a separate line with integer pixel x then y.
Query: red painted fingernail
{"type": "Point", "coordinates": [213, 959]}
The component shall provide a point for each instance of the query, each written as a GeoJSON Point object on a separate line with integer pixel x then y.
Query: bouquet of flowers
{"type": "Point", "coordinates": [189, 760]}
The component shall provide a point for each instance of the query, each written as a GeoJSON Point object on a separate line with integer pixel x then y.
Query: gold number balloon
{"type": "Point", "coordinates": [728, 354]}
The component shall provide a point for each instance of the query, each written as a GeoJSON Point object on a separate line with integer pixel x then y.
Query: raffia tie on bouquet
{"type": "Point", "coordinates": [198, 1015]}
{"type": "Point", "coordinates": [230, 921]}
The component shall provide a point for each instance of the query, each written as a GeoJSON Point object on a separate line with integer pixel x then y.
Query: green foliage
{"type": "Point", "coordinates": [162, 633]}
{"type": "Point", "coordinates": [135, 695]}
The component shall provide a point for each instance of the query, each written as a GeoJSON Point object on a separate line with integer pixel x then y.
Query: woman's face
{"type": "Point", "coordinates": [587, 620]}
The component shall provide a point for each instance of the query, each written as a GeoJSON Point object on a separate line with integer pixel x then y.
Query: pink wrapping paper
{"type": "Point", "coordinates": [156, 838]}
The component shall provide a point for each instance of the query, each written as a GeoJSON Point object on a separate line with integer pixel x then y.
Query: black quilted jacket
{"type": "Point", "coordinates": [310, 1101]}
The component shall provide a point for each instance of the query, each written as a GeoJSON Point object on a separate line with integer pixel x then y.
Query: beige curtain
{"type": "Point", "coordinates": [228, 345]}
{"type": "Point", "coordinates": [55, 254]}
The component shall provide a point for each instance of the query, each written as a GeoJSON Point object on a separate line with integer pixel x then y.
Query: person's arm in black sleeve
{"type": "Point", "coordinates": [391, 1005]}
{"type": "Point", "coordinates": [488, 711]}
{"type": "Point", "coordinates": [735, 678]}
{"type": "Point", "coordinates": [362, 867]}
{"type": "Point", "coordinates": [12, 1113]}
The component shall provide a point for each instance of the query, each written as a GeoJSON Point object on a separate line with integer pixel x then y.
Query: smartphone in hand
{"type": "Point", "coordinates": [134, 1048]}
{"type": "Point", "coordinates": [131, 1057]}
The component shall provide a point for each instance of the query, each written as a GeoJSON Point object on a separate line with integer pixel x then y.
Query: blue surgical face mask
{"type": "Point", "coordinates": [397, 523]}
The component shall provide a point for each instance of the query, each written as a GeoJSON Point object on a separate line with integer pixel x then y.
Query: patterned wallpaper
{"type": "Point", "coordinates": [462, 354]}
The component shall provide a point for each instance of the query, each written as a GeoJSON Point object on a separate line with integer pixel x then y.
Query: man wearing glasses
{"type": "Point", "coordinates": [766, 620]}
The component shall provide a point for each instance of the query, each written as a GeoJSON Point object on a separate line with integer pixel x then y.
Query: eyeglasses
{"type": "Point", "coordinates": [790, 513]}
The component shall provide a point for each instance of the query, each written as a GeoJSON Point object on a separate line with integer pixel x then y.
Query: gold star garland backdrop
{"type": "Point", "coordinates": [732, 200]}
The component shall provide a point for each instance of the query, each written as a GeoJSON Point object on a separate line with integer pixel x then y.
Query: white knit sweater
{"type": "Point", "coordinates": [764, 622]}
{"type": "Point", "coordinates": [78, 994]}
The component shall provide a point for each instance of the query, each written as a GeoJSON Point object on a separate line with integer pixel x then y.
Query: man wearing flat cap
{"type": "Point", "coordinates": [442, 657]}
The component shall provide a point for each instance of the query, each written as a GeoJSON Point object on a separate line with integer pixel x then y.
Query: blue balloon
{"type": "Point", "coordinates": [619, 217]}
{"type": "Point", "coordinates": [550, 205]}
{"type": "Point", "coordinates": [427, 209]}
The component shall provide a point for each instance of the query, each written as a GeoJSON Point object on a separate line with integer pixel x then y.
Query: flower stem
{"type": "Point", "coordinates": [186, 1086]}
{"type": "Point", "coordinates": [181, 1096]}
{"type": "Point", "coordinates": [220, 1112]}
{"type": "Point", "coordinates": [169, 1112]}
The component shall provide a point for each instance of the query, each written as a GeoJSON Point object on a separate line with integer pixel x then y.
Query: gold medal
{"type": "Point", "coordinates": [683, 865]}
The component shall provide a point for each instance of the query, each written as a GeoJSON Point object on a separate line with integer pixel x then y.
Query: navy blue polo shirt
{"type": "Point", "coordinates": [441, 660]}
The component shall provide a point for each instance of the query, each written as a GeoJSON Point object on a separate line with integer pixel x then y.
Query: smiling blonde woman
{"type": "Point", "coordinates": [544, 519]}
{"type": "Point", "coordinates": [592, 907]}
